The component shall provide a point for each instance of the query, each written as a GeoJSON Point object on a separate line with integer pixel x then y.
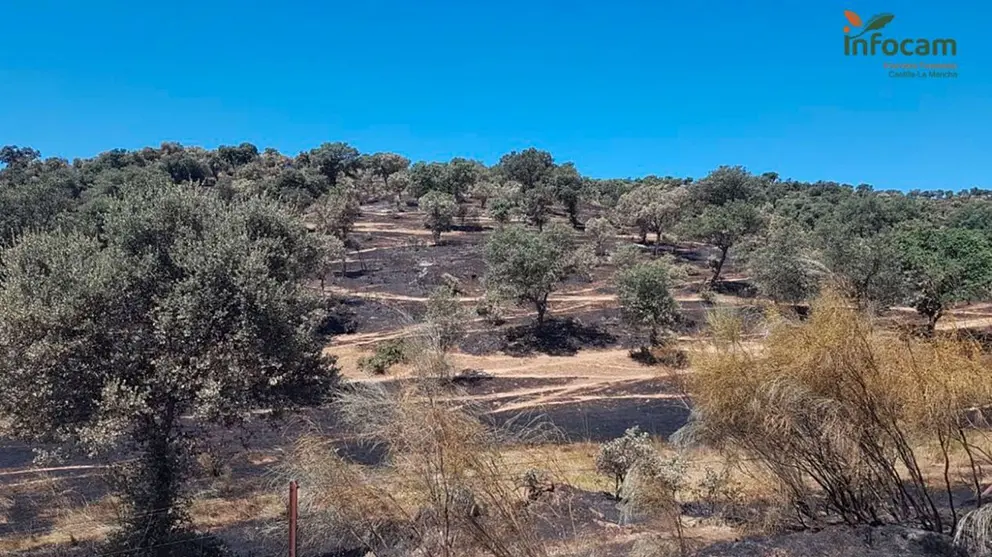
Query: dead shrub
{"type": "Point", "coordinates": [654, 546]}
{"type": "Point", "coordinates": [666, 355]}
{"type": "Point", "coordinates": [719, 493]}
{"type": "Point", "coordinates": [537, 483]}
{"type": "Point", "coordinates": [835, 403]}
{"type": "Point", "coordinates": [445, 484]}
{"type": "Point", "coordinates": [974, 533]}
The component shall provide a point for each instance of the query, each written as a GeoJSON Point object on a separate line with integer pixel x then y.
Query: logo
{"type": "Point", "coordinates": [865, 38]}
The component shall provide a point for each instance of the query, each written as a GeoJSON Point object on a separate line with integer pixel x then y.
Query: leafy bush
{"type": "Point", "coordinates": [617, 457]}
{"type": "Point", "coordinates": [386, 355]}
{"type": "Point", "coordinates": [445, 317]}
{"type": "Point", "coordinates": [603, 235]}
{"type": "Point", "coordinates": [646, 302]}
{"type": "Point", "coordinates": [440, 209]}
{"type": "Point", "coordinates": [651, 490]}
{"type": "Point", "coordinates": [502, 206]}
{"type": "Point", "coordinates": [526, 266]}
{"type": "Point", "coordinates": [625, 256]}
{"type": "Point", "coordinates": [782, 265]}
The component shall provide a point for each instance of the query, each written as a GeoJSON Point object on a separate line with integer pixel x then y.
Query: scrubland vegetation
{"type": "Point", "coordinates": [748, 345]}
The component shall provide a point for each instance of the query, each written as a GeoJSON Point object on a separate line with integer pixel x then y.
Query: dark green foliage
{"type": "Point", "coordinates": [439, 210]}
{"type": "Point", "coordinates": [567, 185]}
{"type": "Point", "coordinates": [945, 266]}
{"type": "Point", "coordinates": [184, 167]}
{"type": "Point", "coordinates": [297, 187]}
{"type": "Point", "coordinates": [723, 226]}
{"type": "Point", "coordinates": [973, 215]}
{"type": "Point", "coordinates": [531, 167]}
{"type": "Point", "coordinates": [536, 204]}
{"type": "Point", "coordinates": [332, 160]}
{"type": "Point", "coordinates": [14, 156]}
{"type": "Point", "coordinates": [865, 267]}
{"type": "Point", "coordinates": [645, 298]}
{"type": "Point", "coordinates": [782, 264]}
{"type": "Point", "coordinates": [727, 184]}
{"type": "Point", "coordinates": [502, 205]}
{"type": "Point", "coordinates": [462, 174]}
{"type": "Point", "coordinates": [238, 156]}
{"type": "Point", "coordinates": [385, 355]}
{"type": "Point", "coordinates": [385, 166]}
{"type": "Point", "coordinates": [180, 305]}
{"type": "Point", "coordinates": [454, 178]}
{"type": "Point", "coordinates": [35, 204]}
{"type": "Point", "coordinates": [427, 177]}
{"type": "Point", "coordinates": [526, 266]}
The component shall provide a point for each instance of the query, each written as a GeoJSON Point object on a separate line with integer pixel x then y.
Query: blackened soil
{"type": "Point", "coordinates": [556, 337]}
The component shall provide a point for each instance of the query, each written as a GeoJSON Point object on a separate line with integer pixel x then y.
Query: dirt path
{"type": "Point", "coordinates": [563, 297]}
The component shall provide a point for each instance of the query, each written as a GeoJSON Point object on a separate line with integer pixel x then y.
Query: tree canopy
{"type": "Point", "coordinates": [527, 266]}
{"type": "Point", "coordinates": [645, 298]}
{"type": "Point", "coordinates": [183, 305]}
{"type": "Point", "coordinates": [945, 266]}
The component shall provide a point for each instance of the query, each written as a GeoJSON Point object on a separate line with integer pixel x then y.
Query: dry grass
{"type": "Point", "coordinates": [447, 486]}
{"type": "Point", "coordinates": [64, 520]}
{"type": "Point", "coordinates": [837, 403]}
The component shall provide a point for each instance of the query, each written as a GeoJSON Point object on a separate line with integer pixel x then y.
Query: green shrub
{"type": "Point", "coordinates": [617, 457]}
{"type": "Point", "coordinates": [386, 355]}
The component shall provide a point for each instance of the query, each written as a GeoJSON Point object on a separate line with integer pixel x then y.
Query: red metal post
{"type": "Point", "coordinates": [293, 516]}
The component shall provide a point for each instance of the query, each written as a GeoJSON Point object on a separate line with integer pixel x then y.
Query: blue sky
{"type": "Point", "coordinates": [621, 88]}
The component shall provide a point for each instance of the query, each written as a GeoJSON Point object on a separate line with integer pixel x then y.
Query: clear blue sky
{"type": "Point", "coordinates": [621, 88]}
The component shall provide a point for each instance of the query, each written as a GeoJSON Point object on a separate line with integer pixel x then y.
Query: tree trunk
{"type": "Point", "coordinates": [657, 241]}
{"type": "Point", "coordinates": [437, 236]}
{"type": "Point", "coordinates": [542, 308]}
{"type": "Point", "coordinates": [932, 319]}
{"type": "Point", "coordinates": [644, 235]}
{"type": "Point", "coordinates": [385, 186]}
{"type": "Point", "coordinates": [719, 265]}
{"type": "Point", "coordinates": [573, 217]}
{"type": "Point", "coordinates": [155, 509]}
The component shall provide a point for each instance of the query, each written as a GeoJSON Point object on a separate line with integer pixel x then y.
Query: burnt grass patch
{"type": "Point", "coordinates": [373, 316]}
{"type": "Point", "coordinates": [416, 269]}
{"type": "Point", "coordinates": [494, 385]}
{"type": "Point", "coordinates": [556, 337]}
{"type": "Point", "coordinates": [603, 420]}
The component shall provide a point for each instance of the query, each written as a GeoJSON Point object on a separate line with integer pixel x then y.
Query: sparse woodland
{"type": "Point", "coordinates": [765, 358]}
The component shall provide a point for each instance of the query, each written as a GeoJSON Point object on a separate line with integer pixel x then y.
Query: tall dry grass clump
{"type": "Point", "coordinates": [444, 488]}
{"type": "Point", "coordinates": [836, 404]}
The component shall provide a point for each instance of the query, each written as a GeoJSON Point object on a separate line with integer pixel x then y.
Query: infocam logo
{"type": "Point", "coordinates": [875, 43]}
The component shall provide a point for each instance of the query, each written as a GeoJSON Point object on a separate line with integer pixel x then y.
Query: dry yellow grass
{"type": "Point", "coordinates": [64, 524]}
{"type": "Point", "coordinates": [839, 403]}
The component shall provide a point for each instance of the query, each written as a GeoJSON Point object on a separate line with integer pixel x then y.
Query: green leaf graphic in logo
{"type": "Point", "coordinates": [876, 22]}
